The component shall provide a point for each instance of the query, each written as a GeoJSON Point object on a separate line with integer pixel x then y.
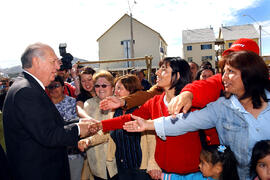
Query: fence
{"type": "Point", "coordinates": [147, 59]}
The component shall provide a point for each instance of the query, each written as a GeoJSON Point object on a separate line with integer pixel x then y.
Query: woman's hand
{"type": "Point", "coordinates": [73, 71]}
{"type": "Point", "coordinates": [111, 102]}
{"type": "Point", "coordinates": [181, 102]}
{"type": "Point", "coordinates": [155, 173]}
{"type": "Point", "coordinates": [84, 144]}
{"type": "Point", "coordinates": [138, 125]}
{"type": "Point", "coordinates": [95, 127]}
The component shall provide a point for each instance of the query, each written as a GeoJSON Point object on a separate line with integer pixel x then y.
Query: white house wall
{"type": "Point", "coordinates": [197, 53]}
{"type": "Point", "coordinates": [147, 42]}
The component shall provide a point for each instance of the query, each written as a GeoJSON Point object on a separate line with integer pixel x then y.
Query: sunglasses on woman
{"type": "Point", "coordinates": [103, 85]}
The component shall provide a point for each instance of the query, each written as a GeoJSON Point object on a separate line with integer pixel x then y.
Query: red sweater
{"type": "Point", "coordinates": [69, 90]}
{"type": "Point", "coordinates": [179, 154]}
{"type": "Point", "coordinates": [205, 91]}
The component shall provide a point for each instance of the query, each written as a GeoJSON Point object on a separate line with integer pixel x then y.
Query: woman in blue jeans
{"type": "Point", "coordinates": [241, 117]}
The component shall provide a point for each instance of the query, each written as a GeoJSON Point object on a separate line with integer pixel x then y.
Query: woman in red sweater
{"type": "Point", "coordinates": [177, 154]}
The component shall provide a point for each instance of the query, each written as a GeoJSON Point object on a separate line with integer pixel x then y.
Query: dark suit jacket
{"type": "Point", "coordinates": [4, 166]}
{"type": "Point", "coordinates": [35, 135]}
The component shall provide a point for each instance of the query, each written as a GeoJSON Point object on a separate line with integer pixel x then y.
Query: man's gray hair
{"type": "Point", "coordinates": [33, 50]}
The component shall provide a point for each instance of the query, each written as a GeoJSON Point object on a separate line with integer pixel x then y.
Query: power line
{"type": "Point", "coordinates": [266, 32]}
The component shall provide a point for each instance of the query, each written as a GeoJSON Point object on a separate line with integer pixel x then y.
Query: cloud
{"type": "Point", "coordinates": [80, 22]}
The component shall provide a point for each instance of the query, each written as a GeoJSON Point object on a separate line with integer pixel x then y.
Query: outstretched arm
{"type": "Point", "coordinates": [133, 100]}
{"type": "Point", "coordinates": [205, 91]}
{"type": "Point", "coordinates": [140, 97]}
{"type": "Point", "coordinates": [139, 125]}
{"type": "Point", "coordinates": [197, 94]}
{"type": "Point", "coordinates": [183, 123]}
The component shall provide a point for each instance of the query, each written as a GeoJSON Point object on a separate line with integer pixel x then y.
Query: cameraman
{"type": "Point", "coordinates": [64, 72]}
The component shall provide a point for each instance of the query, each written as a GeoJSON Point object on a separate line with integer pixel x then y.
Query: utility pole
{"type": "Point", "coordinates": [131, 40]}
{"type": "Point", "coordinates": [131, 33]}
{"type": "Point", "coordinates": [260, 32]}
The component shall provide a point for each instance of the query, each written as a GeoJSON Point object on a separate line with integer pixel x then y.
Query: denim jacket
{"type": "Point", "coordinates": [234, 126]}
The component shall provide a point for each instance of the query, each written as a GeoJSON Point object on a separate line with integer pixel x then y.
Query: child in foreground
{"type": "Point", "coordinates": [216, 162]}
{"type": "Point", "coordinates": [260, 161]}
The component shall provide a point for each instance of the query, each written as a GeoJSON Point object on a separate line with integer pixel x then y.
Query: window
{"type": "Point", "coordinates": [230, 44]}
{"type": "Point", "coordinates": [126, 44]}
{"type": "Point", "coordinates": [161, 50]}
{"type": "Point", "coordinates": [206, 46]}
{"type": "Point", "coordinates": [189, 48]}
{"type": "Point", "coordinates": [127, 50]}
{"type": "Point", "coordinates": [189, 59]}
{"type": "Point", "coordinates": [205, 58]}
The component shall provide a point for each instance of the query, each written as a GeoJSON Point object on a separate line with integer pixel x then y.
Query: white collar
{"type": "Point", "coordinates": [165, 101]}
{"type": "Point", "coordinates": [39, 82]}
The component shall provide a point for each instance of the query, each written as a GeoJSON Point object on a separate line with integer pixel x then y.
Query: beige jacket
{"type": "Point", "coordinates": [97, 153]}
{"type": "Point", "coordinates": [148, 147]}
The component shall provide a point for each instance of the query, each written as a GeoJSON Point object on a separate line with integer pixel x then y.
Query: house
{"type": "Point", "coordinates": [266, 60]}
{"type": "Point", "coordinates": [115, 44]}
{"type": "Point", "coordinates": [231, 33]}
{"type": "Point", "coordinates": [199, 45]}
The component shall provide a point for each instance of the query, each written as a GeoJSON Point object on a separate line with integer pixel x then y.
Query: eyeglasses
{"type": "Point", "coordinates": [53, 86]}
{"type": "Point", "coordinates": [103, 85]}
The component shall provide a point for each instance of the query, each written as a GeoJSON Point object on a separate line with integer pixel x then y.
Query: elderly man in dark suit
{"type": "Point", "coordinates": [35, 133]}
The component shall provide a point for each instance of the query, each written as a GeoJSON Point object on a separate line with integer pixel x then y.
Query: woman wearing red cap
{"type": "Point", "coordinates": [241, 117]}
{"type": "Point", "coordinates": [200, 93]}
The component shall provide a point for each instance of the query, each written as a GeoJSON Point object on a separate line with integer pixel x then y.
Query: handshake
{"type": "Point", "coordinates": [92, 127]}
{"type": "Point", "coordinates": [89, 127]}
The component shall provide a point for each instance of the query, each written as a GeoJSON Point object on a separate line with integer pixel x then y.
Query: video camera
{"type": "Point", "coordinates": [66, 57]}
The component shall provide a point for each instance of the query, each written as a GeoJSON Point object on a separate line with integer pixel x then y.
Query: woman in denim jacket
{"type": "Point", "coordinates": [241, 118]}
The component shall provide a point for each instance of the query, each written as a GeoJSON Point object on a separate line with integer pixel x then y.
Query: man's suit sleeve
{"type": "Point", "coordinates": [38, 116]}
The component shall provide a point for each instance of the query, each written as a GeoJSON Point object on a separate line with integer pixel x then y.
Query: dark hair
{"type": "Point", "coordinates": [59, 79]}
{"type": "Point", "coordinates": [180, 66]}
{"type": "Point", "coordinates": [130, 82]}
{"type": "Point", "coordinates": [260, 150]}
{"type": "Point", "coordinates": [254, 74]}
{"type": "Point", "coordinates": [86, 70]}
{"type": "Point", "coordinates": [206, 64]}
{"type": "Point", "coordinates": [198, 74]}
{"type": "Point", "coordinates": [218, 154]}
{"type": "Point", "coordinates": [197, 66]}
{"type": "Point", "coordinates": [142, 72]}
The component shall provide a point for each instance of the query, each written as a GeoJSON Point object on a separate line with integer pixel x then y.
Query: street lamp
{"type": "Point", "coordinates": [260, 31]}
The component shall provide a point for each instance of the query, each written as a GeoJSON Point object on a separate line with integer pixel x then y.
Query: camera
{"type": "Point", "coordinates": [66, 57]}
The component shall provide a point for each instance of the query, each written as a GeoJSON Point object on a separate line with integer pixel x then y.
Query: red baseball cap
{"type": "Point", "coordinates": [243, 44]}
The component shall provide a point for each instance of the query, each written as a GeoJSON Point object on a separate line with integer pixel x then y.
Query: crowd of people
{"type": "Point", "coordinates": [193, 123]}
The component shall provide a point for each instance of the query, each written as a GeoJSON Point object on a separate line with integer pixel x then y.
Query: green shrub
{"type": "Point", "coordinates": [2, 140]}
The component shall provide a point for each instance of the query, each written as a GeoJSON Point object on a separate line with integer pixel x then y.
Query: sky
{"type": "Point", "coordinates": [79, 23]}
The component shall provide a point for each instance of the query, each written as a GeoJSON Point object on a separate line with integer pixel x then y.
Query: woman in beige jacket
{"type": "Point", "coordinates": [96, 154]}
{"type": "Point", "coordinates": [133, 152]}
